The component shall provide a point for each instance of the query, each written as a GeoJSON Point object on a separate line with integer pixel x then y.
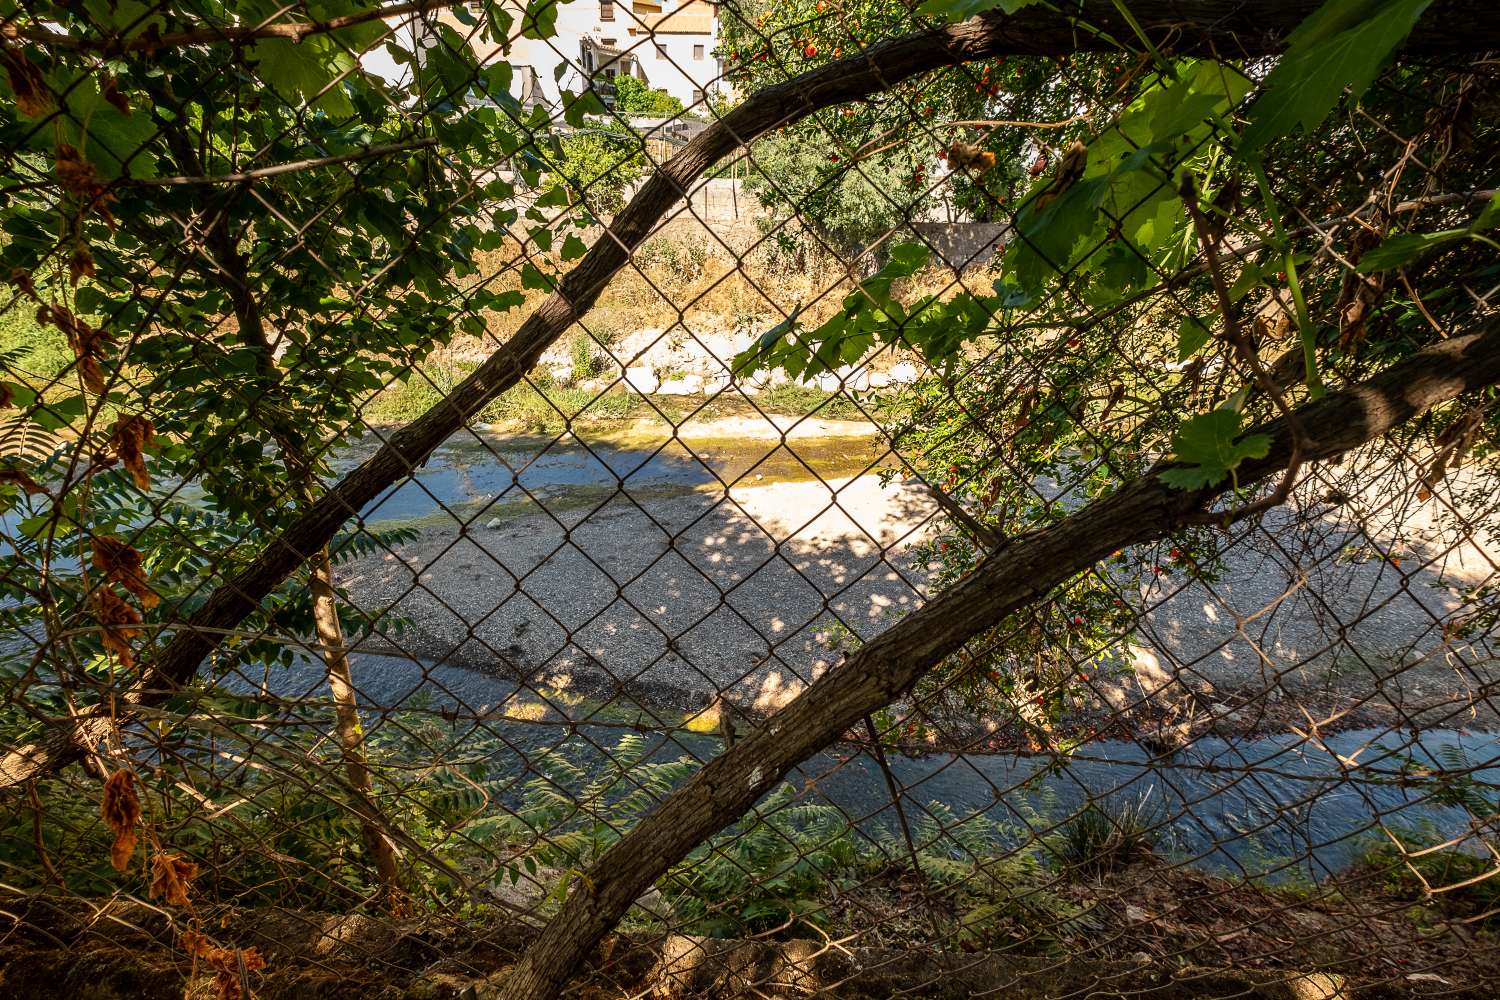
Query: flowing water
{"type": "Point", "coordinates": [1269, 807]}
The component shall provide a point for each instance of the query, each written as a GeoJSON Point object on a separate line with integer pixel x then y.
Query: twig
{"type": "Point", "coordinates": [367, 152]}
{"type": "Point", "coordinates": [1247, 353]}
{"type": "Point", "coordinates": [1007, 123]}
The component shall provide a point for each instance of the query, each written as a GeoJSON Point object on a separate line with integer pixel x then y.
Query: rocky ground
{"type": "Point", "coordinates": [683, 593]}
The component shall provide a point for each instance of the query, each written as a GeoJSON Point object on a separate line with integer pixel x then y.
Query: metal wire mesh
{"type": "Point", "coordinates": [247, 247]}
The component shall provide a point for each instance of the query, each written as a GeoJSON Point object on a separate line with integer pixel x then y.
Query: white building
{"type": "Point", "coordinates": [668, 44]}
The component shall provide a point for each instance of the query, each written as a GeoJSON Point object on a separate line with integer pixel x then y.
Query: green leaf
{"type": "Point", "coordinates": [1401, 249]}
{"type": "Point", "coordinates": [1489, 218]}
{"type": "Point", "coordinates": [1192, 334]}
{"type": "Point", "coordinates": [1206, 446]}
{"type": "Point", "coordinates": [575, 107]}
{"type": "Point", "coordinates": [958, 10]}
{"type": "Point", "coordinates": [573, 248]}
{"type": "Point", "coordinates": [533, 278]}
{"type": "Point", "coordinates": [540, 19]}
{"type": "Point", "coordinates": [1342, 46]}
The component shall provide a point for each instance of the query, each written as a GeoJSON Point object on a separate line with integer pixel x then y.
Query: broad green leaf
{"type": "Point", "coordinates": [1489, 218]}
{"type": "Point", "coordinates": [1343, 46]}
{"type": "Point", "coordinates": [1192, 334]}
{"type": "Point", "coordinates": [1402, 249]}
{"type": "Point", "coordinates": [533, 278]}
{"type": "Point", "coordinates": [958, 10]}
{"type": "Point", "coordinates": [540, 19]}
{"type": "Point", "coordinates": [575, 107]}
{"type": "Point", "coordinates": [1207, 447]}
{"type": "Point", "coordinates": [573, 247]}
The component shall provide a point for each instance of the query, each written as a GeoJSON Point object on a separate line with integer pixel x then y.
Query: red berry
{"type": "Point", "coordinates": [834, 158]}
{"type": "Point", "coordinates": [810, 51]}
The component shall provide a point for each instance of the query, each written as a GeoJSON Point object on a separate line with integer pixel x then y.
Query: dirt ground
{"type": "Point", "coordinates": [1147, 931]}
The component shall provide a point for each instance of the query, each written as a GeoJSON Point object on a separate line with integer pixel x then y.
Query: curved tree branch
{"type": "Point", "coordinates": [1022, 572]}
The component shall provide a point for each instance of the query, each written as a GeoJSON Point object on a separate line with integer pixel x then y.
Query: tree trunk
{"type": "Point", "coordinates": [347, 727]}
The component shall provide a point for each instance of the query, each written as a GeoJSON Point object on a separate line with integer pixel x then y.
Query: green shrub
{"type": "Point", "coordinates": [1096, 841]}
{"type": "Point", "coordinates": [636, 97]}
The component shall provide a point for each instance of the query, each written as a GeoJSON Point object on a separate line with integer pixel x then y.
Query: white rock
{"type": "Point", "coordinates": [879, 380]}
{"type": "Point", "coordinates": [903, 373]}
{"type": "Point", "coordinates": [494, 523]}
{"type": "Point", "coordinates": [830, 382]}
{"type": "Point", "coordinates": [642, 379]}
{"type": "Point", "coordinates": [716, 381]}
{"type": "Point", "coordinates": [687, 385]}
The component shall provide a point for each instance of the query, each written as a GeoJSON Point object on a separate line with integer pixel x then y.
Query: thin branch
{"type": "Point", "coordinates": [294, 166]}
{"type": "Point", "coordinates": [1246, 350]}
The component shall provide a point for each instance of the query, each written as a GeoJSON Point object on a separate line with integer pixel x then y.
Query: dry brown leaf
{"type": "Point", "coordinates": [77, 177]}
{"type": "Point", "coordinates": [89, 345]}
{"type": "Point", "coordinates": [32, 97]}
{"type": "Point", "coordinates": [226, 962]}
{"type": "Point", "coordinates": [120, 809]}
{"type": "Point", "coordinates": [76, 174]}
{"type": "Point", "coordinates": [118, 624]}
{"type": "Point", "coordinates": [109, 89]}
{"type": "Point", "coordinates": [22, 280]}
{"type": "Point", "coordinates": [80, 264]}
{"type": "Point", "coordinates": [128, 439]}
{"type": "Point", "coordinates": [122, 564]}
{"type": "Point", "coordinates": [21, 479]}
{"type": "Point", "coordinates": [171, 874]}
{"type": "Point", "coordinates": [964, 156]}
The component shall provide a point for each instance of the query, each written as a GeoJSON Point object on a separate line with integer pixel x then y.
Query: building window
{"type": "Point", "coordinates": [608, 41]}
{"type": "Point", "coordinates": [698, 52]}
{"type": "Point", "coordinates": [661, 50]}
{"type": "Point", "coordinates": [606, 10]}
{"type": "Point", "coordinates": [697, 96]}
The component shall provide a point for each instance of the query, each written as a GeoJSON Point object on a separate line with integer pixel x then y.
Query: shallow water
{"type": "Point", "coordinates": [475, 473]}
{"type": "Point", "coordinates": [1264, 807]}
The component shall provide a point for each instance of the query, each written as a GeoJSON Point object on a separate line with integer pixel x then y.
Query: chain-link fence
{"type": "Point", "coordinates": [750, 500]}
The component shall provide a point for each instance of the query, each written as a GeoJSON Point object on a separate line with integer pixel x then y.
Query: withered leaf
{"type": "Point", "coordinates": [21, 479]}
{"type": "Point", "coordinates": [80, 264]}
{"type": "Point", "coordinates": [78, 177]}
{"type": "Point", "coordinates": [122, 564]}
{"type": "Point", "coordinates": [121, 811]}
{"type": "Point", "coordinates": [89, 345]}
{"type": "Point", "coordinates": [118, 623]}
{"type": "Point", "coordinates": [22, 280]}
{"type": "Point", "coordinates": [32, 97]}
{"type": "Point", "coordinates": [171, 875]}
{"type": "Point", "coordinates": [109, 89]}
{"type": "Point", "coordinates": [129, 439]}
{"type": "Point", "coordinates": [226, 962]}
